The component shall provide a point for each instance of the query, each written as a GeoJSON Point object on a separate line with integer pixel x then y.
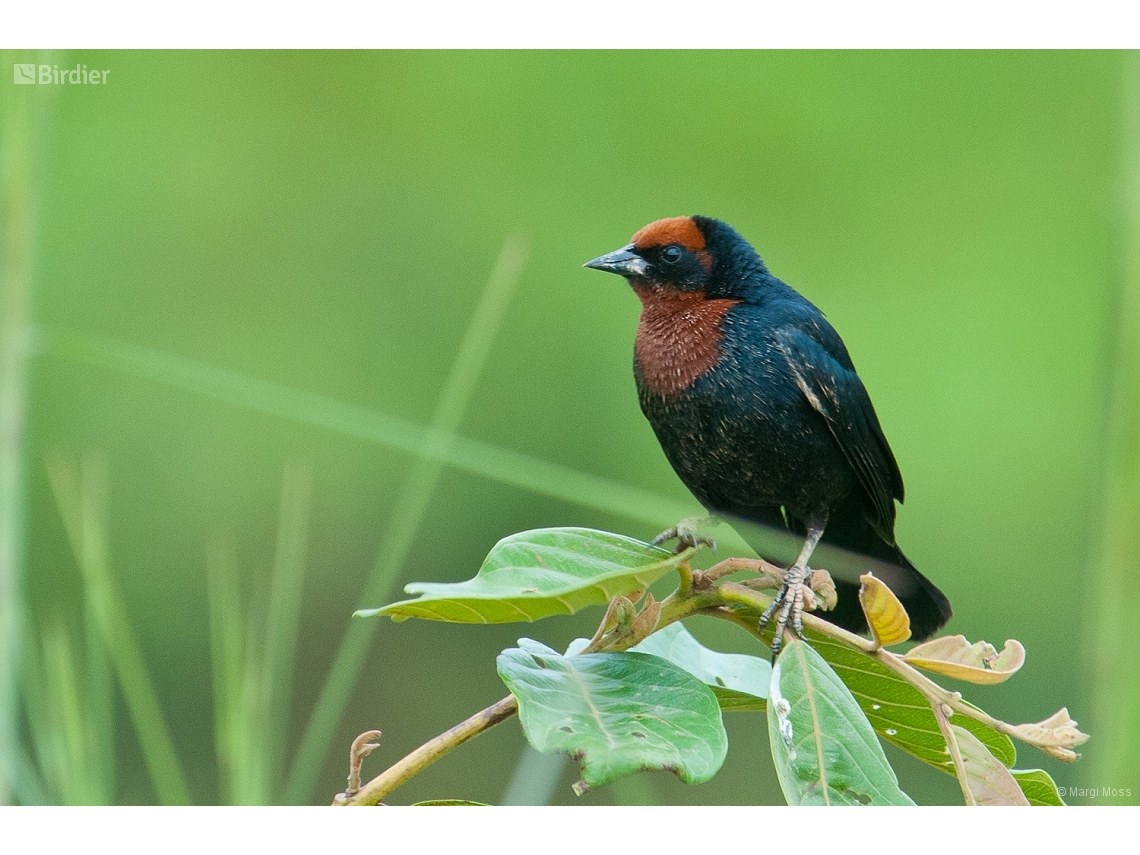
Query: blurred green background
{"type": "Point", "coordinates": [235, 269]}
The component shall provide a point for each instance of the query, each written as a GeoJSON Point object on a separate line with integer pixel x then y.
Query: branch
{"type": "Point", "coordinates": [392, 777]}
{"type": "Point", "coordinates": [955, 752]}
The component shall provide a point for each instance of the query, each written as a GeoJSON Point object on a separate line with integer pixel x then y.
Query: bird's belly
{"type": "Point", "coordinates": [738, 453]}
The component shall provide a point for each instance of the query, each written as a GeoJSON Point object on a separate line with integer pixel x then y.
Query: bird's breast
{"type": "Point", "coordinates": [679, 338]}
{"type": "Point", "coordinates": [733, 423]}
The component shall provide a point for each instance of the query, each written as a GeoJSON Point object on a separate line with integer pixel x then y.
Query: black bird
{"type": "Point", "coordinates": [758, 407]}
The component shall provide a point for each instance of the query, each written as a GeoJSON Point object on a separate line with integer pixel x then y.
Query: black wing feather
{"type": "Point", "coordinates": [838, 395]}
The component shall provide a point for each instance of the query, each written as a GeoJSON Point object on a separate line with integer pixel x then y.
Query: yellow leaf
{"type": "Point", "coordinates": [954, 656]}
{"type": "Point", "coordinates": [886, 616]}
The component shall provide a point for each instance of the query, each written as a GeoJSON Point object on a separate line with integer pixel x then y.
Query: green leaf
{"type": "Point", "coordinates": [989, 781]}
{"type": "Point", "coordinates": [824, 748]}
{"type": "Point", "coordinates": [899, 712]}
{"type": "Point", "coordinates": [739, 682]}
{"type": "Point", "coordinates": [539, 573]}
{"type": "Point", "coordinates": [616, 713]}
{"type": "Point", "coordinates": [1038, 786]}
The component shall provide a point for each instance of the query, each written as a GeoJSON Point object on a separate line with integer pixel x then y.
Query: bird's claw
{"type": "Point", "coordinates": [685, 533]}
{"type": "Point", "coordinates": [684, 541]}
{"type": "Point", "coordinates": [788, 606]}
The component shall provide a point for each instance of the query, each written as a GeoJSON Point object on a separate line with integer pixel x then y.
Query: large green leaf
{"type": "Point", "coordinates": [617, 713]}
{"type": "Point", "coordinates": [899, 712]}
{"type": "Point", "coordinates": [539, 573]}
{"type": "Point", "coordinates": [1038, 786]}
{"type": "Point", "coordinates": [739, 682]}
{"type": "Point", "coordinates": [825, 750]}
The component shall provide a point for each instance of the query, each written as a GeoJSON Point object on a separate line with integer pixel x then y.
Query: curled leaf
{"type": "Point", "coordinates": [979, 663]}
{"type": "Point", "coordinates": [990, 782]}
{"type": "Point", "coordinates": [886, 616]}
{"type": "Point", "coordinates": [1056, 735]}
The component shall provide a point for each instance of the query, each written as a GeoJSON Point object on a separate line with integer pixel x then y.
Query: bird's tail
{"type": "Point", "coordinates": [928, 608]}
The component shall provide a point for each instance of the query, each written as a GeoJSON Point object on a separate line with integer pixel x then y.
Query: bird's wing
{"type": "Point", "coordinates": [837, 394]}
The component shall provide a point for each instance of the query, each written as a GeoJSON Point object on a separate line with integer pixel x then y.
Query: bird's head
{"type": "Point", "coordinates": [688, 254]}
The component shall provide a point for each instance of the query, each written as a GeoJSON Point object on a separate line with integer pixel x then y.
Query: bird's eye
{"type": "Point", "coordinates": [671, 254]}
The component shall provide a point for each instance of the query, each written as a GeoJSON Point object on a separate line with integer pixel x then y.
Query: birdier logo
{"type": "Point", "coordinates": [81, 75]}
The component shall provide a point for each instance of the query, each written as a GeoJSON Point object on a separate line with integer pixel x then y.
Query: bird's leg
{"type": "Point", "coordinates": [789, 602]}
{"type": "Point", "coordinates": [685, 533]}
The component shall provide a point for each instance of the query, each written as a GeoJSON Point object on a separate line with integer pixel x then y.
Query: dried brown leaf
{"type": "Point", "coordinates": [646, 620]}
{"type": "Point", "coordinates": [821, 588]}
{"type": "Point", "coordinates": [980, 662]}
{"type": "Point", "coordinates": [990, 782]}
{"type": "Point", "coordinates": [1056, 735]}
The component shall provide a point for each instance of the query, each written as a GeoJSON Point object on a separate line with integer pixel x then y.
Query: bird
{"type": "Point", "coordinates": [758, 407]}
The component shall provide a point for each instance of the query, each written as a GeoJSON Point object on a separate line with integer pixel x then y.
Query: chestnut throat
{"type": "Point", "coordinates": [678, 338]}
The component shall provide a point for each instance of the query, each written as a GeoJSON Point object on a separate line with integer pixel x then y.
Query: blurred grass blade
{"type": "Point", "coordinates": [1115, 609]}
{"type": "Point", "coordinates": [27, 785]}
{"type": "Point", "coordinates": [82, 505]}
{"type": "Point", "coordinates": [17, 114]}
{"type": "Point", "coordinates": [43, 723]}
{"type": "Point", "coordinates": [61, 682]}
{"type": "Point", "coordinates": [468, 455]}
{"type": "Point", "coordinates": [60, 723]}
{"type": "Point", "coordinates": [534, 779]}
{"type": "Point", "coordinates": [237, 664]}
{"type": "Point", "coordinates": [284, 617]}
{"type": "Point", "coordinates": [435, 447]}
{"type": "Point", "coordinates": [100, 709]}
{"type": "Point", "coordinates": [226, 667]}
{"type": "Point", "coordinates": [251, 775]}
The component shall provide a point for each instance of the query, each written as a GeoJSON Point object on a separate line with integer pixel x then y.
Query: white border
{"type": "Point", "coordinates": [564, 831]}
{"type": "Point", "coordinates": [570, 24]}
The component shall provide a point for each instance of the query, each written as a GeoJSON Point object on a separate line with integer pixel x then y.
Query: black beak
{"type": "Point", "coordinates": [624, 262]}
